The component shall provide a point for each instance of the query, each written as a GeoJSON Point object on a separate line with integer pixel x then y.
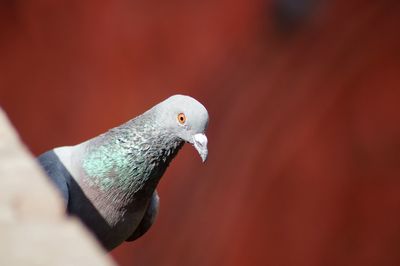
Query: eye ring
{"type": "Point", "coordinates": [181, 118]}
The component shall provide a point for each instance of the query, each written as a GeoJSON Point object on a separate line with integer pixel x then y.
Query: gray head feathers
{"type": "Point", "coordinates": [186, 118]}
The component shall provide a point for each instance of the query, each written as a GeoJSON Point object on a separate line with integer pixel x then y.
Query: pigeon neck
{"type": "Point", "coordinates": [129, 159]}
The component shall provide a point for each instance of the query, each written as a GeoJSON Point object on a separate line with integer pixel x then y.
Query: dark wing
{"type": "Point", "coordinates": [148, 218]}
{"type": "Point", "coordinates": [57, 173]}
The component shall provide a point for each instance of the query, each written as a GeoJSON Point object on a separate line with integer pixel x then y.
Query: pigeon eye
{"type": "Point", "coordinates": [182, 118]}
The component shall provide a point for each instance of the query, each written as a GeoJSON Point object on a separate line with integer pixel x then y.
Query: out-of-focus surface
{"type": "Point", "coordinates": [304, 136]}
{"type": "Point", "coordinates": [33, 226]}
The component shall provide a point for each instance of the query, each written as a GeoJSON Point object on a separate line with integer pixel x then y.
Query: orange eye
{"type": "Point", "coordinates": [182, 118]}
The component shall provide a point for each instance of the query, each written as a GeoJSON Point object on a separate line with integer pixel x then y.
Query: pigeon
{"type": "Point", "coordinates": [110, 181]}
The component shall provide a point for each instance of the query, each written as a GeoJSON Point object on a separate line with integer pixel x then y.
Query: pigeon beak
{"type": "Point", "coordinates": [200, 143]}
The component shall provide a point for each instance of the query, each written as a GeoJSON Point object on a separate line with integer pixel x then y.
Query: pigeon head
{"type": "Point", "coordinates": [185, 118]}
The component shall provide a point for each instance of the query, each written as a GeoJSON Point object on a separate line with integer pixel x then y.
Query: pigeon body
{"type": "Point", "coordinates": [110, 181]}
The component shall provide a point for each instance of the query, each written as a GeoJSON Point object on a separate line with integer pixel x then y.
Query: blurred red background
{"type": "Point", "coordinates": [303, 96]}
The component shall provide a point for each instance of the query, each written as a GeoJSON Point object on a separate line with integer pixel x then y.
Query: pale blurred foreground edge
{"type": "Point", "coordinates": [33, 226]}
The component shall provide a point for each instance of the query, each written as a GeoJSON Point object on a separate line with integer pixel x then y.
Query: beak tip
{"type": "Point", "coordinates": [200, 143]}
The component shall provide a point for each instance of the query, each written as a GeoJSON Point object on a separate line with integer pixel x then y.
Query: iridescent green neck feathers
{"type": "Point", "coordinates": [129, 156]}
